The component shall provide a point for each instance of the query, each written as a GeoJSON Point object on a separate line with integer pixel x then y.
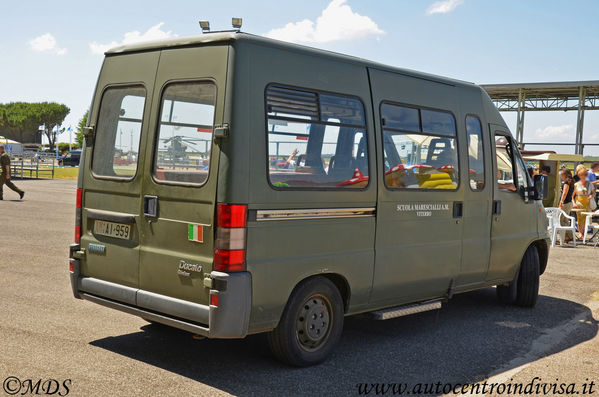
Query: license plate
{"type": "Point", "coordinates": [111, 229]}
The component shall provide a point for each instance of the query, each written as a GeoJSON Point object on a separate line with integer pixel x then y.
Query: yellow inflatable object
{"type": "Point", "coordinates": [441, 180]}
{"type": "Point", "coordinates": [428, 178]}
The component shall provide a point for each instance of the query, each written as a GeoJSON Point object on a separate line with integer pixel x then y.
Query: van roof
{"type": "Point", "coordinates": [224, 37]}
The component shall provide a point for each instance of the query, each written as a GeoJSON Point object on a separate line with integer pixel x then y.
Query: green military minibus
{"type": "Point", "coordinates": [232, 184]}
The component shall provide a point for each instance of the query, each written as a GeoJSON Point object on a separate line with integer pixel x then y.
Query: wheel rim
{"type": "Point", "coordinates": [313, 323]}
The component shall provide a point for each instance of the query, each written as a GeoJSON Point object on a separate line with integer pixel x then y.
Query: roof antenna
{"type": "Point", "coordinates": [205, 25]}
{"type": "Point", "coordinates": [236, 22]}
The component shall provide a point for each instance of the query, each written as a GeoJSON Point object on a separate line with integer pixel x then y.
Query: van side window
{"type": "Point", "coordinates": [505, 168]}
{"type": "Point", "coordinates": [420, 147]}
{"type": "Point", "coordinates": [476, 161]}
{"type": "Point", "coordinates": [118, 132]}
{"type": "Point", "coordinates": [521, 171]}
{"type": "Point", "coordinates": [185, 134]}
{"type": "Point", "coordinates": [315, 140]}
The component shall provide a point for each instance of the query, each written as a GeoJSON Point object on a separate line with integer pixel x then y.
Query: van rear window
{"type": "Point", "coordinates": [184, 143]}
{"type": "Point", "coordinates": [118, 131]}
{"type": "Point", "coordinates": [315, 139]}
{"type": "Point", "coordinates": [420, 148]}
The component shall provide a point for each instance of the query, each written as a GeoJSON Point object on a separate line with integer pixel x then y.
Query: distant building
{"type": "Point", "coordinates": [28, 137]}
{"type": "Point", "coordinates": [11, 146]}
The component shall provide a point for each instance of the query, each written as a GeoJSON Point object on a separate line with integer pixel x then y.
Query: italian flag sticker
{"type": "Point", "coordinates": [195, 233]}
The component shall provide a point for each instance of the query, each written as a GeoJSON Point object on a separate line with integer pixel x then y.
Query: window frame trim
{"type": "Point", "coordinates": [513, 143]}
{"type": "Point", "coordinates": [96, 119]}
{"type": "Point", "coordinates": [157, 133]}
{"type": "Point", "coordinates": [310, 121]}
{"type": "Point", "coordinates": [456, 137]}
{"type": "Point", "coordinates": [518, 157]}
{"type": "Point", "coordinates": [483, 140]}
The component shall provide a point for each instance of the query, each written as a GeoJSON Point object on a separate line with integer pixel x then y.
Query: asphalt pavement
{"type": "Point", "coordinates": [46, 334]}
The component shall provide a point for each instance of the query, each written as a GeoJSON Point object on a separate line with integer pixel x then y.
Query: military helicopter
{"type": "Point", "coordinates": [178, 145]}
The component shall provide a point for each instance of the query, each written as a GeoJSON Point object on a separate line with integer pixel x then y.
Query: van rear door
{"type": "Point", "coordinates": [180, 178]}
{"type": "Point", "coordinates": [111, 174]}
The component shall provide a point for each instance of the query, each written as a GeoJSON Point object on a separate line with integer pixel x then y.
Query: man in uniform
{"type": "Point", "coordinates": [5, 174]}
{"type": "Point", "coordinates": [549, 200]}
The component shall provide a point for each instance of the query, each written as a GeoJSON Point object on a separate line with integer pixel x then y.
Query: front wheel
{"type": "Point", "coordinates": [528, 279]}
{"type": "Point", "coordinates": [524, 290]}
{"type": "Point", "coordinates": [311, 324]}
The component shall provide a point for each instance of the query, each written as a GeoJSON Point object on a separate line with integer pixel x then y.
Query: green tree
{"type": "Point", "coordinates": [51, 115]}
{"type": "Point", "coordinates": [19, 116]}
{"type": "Point", "coordinates": [82, 123]}
{"type": "Point", "coordinates": [63, 147]}
{"type": "Point", "coordinates": [2, 115]}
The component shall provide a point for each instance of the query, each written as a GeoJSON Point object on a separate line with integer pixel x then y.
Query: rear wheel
{"type": "Point", "coordinates": [311, 324]}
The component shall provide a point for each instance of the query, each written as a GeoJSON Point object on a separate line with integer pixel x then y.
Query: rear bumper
{"type": "Point", "coordinates": [230, 319]}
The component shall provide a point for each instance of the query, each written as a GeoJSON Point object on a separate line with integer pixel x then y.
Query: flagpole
{"type": "Point", "coordinates": [55, 143]}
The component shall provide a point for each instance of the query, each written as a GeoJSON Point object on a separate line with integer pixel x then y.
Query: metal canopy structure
{"type": "Point", "coordinates": [564, 96]}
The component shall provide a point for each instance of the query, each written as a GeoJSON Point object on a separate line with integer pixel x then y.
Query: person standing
{"type": "Point", "coordinates": [594, 179]}
{"type": "Point", "coordinates": [584, 192]}
{"type": "Point", "coordinates": [565, 202]}
{"type": "Point", "coordinates": [5, 174]}
{"type": "Point", "coordinates": [532, 171]}
{"type": "Point", "coordinates": [549, 201]}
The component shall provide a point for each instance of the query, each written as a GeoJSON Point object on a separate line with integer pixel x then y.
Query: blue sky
{"type": "Point", "coordinates": [52, 50]}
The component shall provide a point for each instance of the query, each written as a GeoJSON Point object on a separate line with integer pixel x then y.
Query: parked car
{"type": "Point", "coordinates": [71, 159]}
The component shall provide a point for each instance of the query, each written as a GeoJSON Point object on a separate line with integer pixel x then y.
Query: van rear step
{"type": "Point", "coordinates": [406, 310]}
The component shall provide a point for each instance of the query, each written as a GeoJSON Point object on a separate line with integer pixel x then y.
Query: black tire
{"type": "Point", "coordinates": [311, 324]}
{"type": "Point", "coordinates": [528, 279]}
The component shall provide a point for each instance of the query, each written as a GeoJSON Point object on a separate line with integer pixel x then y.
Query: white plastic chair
{"type": "Point", "coordinates": [589, 223]}
{"type": "Point", "coordinates": [554, 214]}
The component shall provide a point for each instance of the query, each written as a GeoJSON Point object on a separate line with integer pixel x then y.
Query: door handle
{"type": "Point", "coordinates": [496, 207]}
{"type": "Point", "coordinates": [151, 206]}
{"type": "Point", "coordinates": [458, 209]}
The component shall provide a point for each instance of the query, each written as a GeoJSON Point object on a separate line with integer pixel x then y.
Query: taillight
{"type": "Point", "coordinates": [231, 215]}
{"type": "Point", "coordinates": [78, 215]}
{"type": "Point", "coordinates": [229, 244]}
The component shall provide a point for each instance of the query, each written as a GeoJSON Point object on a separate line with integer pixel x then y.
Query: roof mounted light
{"type": "Point", "coordinates": [205, 25]}
{"type": "Point", "coordinates": [236, 22]}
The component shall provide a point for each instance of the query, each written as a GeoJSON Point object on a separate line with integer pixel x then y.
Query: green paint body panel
{"type": "Point", "coordinates": [391, 258]}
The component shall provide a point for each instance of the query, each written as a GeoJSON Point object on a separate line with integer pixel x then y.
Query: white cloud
{"type": "Point", "coordinates": [337, 22]}
{"type": "Point", "coordinates": [443, 6]}
{"type": "Point", "coordinates": [154, 33]}
{"type": "Point", "coordinates": [555, 131]}
{"type": "Point", "coordinates": [46, 43]}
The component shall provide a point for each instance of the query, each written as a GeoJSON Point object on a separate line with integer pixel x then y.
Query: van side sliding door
{"type": "Point", "coordinates": [478, 191]}
{"type": "Point", "coordinates": [420, 208]}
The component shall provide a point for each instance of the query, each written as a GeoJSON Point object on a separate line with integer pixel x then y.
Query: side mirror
{"type": "Point", "coordinates": [541, 187]}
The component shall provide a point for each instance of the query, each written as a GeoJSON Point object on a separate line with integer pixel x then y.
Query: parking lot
{"type": "Point", "coordinates": [46, 334]}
